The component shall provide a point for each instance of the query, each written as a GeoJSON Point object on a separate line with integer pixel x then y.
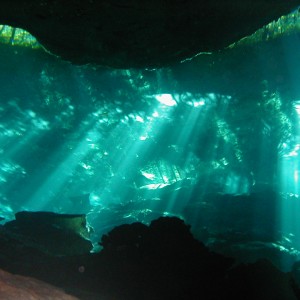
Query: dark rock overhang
{"type": "Point", "coordinates": [140, 34]}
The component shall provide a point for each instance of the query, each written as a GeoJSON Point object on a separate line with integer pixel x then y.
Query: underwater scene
{"type": "Point", "coordinates": [114, 168]}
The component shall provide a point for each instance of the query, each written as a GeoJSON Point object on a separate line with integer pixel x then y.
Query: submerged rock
{"type": "Point", "coordinates": [13, 287]}
{"type": "Point", "coordinates": [166, 262]}
{"type": "Point", "coordinates": [139, 33]}
{"type": "Point", "coordinates": [260, 280]}
{"type": "Point", "coordinates": [73, 222]}
{"type": "Point", "coordinates": [160, 261]}
{"type": "Point", "coordinates": [56, 234]}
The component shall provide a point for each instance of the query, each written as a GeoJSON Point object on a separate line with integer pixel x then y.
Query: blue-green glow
{"type": "Point", "coordinates": [166, 99]}
{"type": "Point", "coordinates": [131, 145]}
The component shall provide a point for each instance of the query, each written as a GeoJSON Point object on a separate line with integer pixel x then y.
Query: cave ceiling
{"type": "Point", "coordinates": [139, 34]}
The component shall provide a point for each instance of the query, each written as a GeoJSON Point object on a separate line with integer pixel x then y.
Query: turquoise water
{"type": "Point", "coordinates": [191, 140]}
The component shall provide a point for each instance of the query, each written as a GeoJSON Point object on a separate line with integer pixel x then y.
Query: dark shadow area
{"type": "Point", "coordinates": [159, 261]}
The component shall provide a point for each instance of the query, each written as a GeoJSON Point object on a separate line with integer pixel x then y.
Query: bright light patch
{"type": "Point", "coordinates": [165, 178]}
{"type": "Point", "coordinates": [85, 166]}
{"type": "Point", "coordinates": [93, 146]}
{"type": "Point", "coordinates": [104, 120]}
{"type": "Point", "coordinates": [297, 107]}
{"type": "Point", "coordinates": [155, 114]}
{"type": "Point", "coordinates": [31, 113]}
{"type": "Point", "coordinates": [199, 103]}
{"type": "Point", "coordinates": [139, 119]}
{"type": "Point", "coordinates": [294, 152]}
{"type": "Point", "coordinates": [148, 175]}
{"type": "Point", "coordinates": [94, 200]}
{"type": "Point", "coordinates": [212, 96]}
{"type": "Point", "coordinates": [154, 186]}
{"type": "Point", "coordinates": [94, 197]}
{"type": "Point", "coordinates": [166, 99]}
{"type": "Point", "coordinates": [41, 124]}
{"type": "Point", "coordinates": [296, 175]}
{"type": "Point", "coordinates": [143, 138]}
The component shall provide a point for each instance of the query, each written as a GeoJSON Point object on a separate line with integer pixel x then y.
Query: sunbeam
{"type": "Point", "coordinates": [213, 140]}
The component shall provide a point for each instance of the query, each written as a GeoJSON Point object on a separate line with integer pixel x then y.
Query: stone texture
{"type": "Point", "coordinates": [13, 287]}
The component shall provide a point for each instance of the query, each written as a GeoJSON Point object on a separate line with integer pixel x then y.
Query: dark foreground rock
{"type": "Point", "coordinates": [136, 33]}
{"type": "Point", "coordinates": [13, 287]}
{"type": "Point", "coordinates": [56, 234]}
{"type": "Point", "coordinates": [160, 261]}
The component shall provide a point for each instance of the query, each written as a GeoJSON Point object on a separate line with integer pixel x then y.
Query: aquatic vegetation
{"type": "Point", "coordinates": [17, 37]}
{"type": "Point", "coordinates": [286, 25]}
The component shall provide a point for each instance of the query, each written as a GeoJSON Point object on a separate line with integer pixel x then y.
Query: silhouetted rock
{"type": "Point", "coordinates": [160, 261]}
{"type": "Point", "coordinates": [56, 234]}
{"type": "Point", "coordinates": [139, 33]}
{"type": "Point", "coordinates": [127, 235]}
{"type": "Point", "coordinates": [260, 280]}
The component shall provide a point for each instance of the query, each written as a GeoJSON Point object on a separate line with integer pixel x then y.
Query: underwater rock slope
{"type": "Point", "coordinates": [160, 261]}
